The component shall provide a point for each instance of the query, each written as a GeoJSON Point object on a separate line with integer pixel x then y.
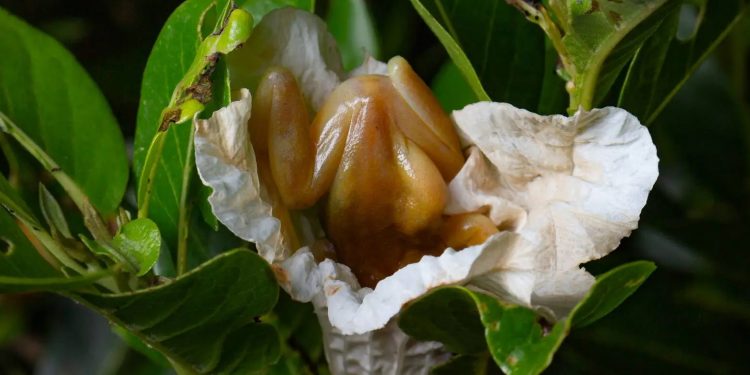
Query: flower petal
{"type": "Point", "coordinates": [355, 310]}
{"type": "Point", "coordinates": [384, 351]}
{"type": "Point", "coordinates": [296, 40]}
{"type": "Point", "coordinates": [226, 162]}
{"type": "Point", "coordinates": [582, 182]}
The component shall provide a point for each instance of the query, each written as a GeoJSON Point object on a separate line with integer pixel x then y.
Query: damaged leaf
{"type": "Point", "coordinates": [209, 325]}
{"type": "Point", "coordinates": [520, 341]}
{"type": "Point", "coordinates": [173, 53]}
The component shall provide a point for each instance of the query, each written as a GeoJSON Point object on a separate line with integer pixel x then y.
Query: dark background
{"type": "Point", "coordinates": [692, 316]}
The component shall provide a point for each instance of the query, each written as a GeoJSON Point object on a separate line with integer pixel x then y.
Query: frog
{"type": "Point", "coordinates": [377, 157]}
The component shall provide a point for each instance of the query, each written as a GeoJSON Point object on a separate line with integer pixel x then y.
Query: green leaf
{"type": "Point", "coordinates": [259, 8]}
{"type": "Point", "coordinates": [454, 50]}
{"type": "Point", "coordinates": [625, 50]}
{"type": "Point", "coordinates": [203, 321]}
{"type": "Point", "coordinates": [13, 203]}
{"type": "Point", "coordinates": [518, 339]}
{"type": "Point", "coordinates": [599, 40]}
{"type": "Point", "coordinates": [22, 267]}
{"type": "Point", "coordinates": [19, 258]}
{"type": "Point", "coordinates": [448, 315]}
{"type": "Point", "coordinates": [9, 284]}
{"type": "Point", "coordinates": [170, 58]}
{"type": "Point", "coordinates": [53, 213]}
{"type": "Point", "coordinates": [553, 99]}
{"type": "Point", "coordinates": [665, 62]}
{"type": "Point", "coordinates": [610, 290]}
{"type": "Point", "coordinates": [450, 88]}
{"type": "Point", "coordinates": [138, 345]}
{"type": "Point", "coordinates": [49, 95]}
{"type": "Point", "coordinates": [350, 24]}
{"type": "Point", "coordinates": [475, 364]}
{"type": "Point", "coordinates": [139, 242]}
{"type": "Point", "coordinates": [493, 45]}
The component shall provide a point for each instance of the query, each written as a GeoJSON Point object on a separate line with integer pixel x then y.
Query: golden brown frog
{"type": "Point", "coordinates": [380, 151]}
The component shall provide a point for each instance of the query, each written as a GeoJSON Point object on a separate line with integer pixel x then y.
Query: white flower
{"type": "Point", "coordinates": [563, 191]}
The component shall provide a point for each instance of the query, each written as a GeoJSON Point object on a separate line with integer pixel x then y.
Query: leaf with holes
{"type": "Point", "coordinates": [599, 40]}
{"type": "Point", "coordinates": [26, 266]}
{"type": "Point", "coordinates": [170, 58]}
{"type": "Point", "coordinates": [203, 321]}
{"type": "Point", "coordinates": [19, 257]}
{"type": "Point", "coordinates": [49, 95]}
{"type": "Point", "coordinates": [516, 337]}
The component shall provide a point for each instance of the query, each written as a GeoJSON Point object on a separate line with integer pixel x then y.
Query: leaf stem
{"type": "Point", "coordinates": [148, 173]}
{"type": "Point", "coordinates": [92, 219]}
{"type": "Point", "coordinates": [185, 101]}
{"type": "Point", "coordinates": [48, 244]}
{"type": "Point", "coordinates": [183, 224]}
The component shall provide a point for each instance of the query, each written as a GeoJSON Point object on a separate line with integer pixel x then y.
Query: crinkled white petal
{"type": "Point", "coordinates": [296, 40]}
{"type": "Point", "coordinates": [225, 161]}
{"type": "Point", "coordinates": [384, 351]}
{"type": "Point", "coordinates": [355, 310]}
{"type": "Point", "coordinates": [581, 182]}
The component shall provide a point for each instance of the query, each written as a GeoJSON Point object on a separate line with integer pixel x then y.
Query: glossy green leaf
{"type": "Point", "coordinates": [49, 95]}
{"type": "Point", "coordinates": [610, 290]}
{"type": "Point", "coordinates": [138, 345]}
{"type": "Point", "coordinates": [203, 321]}
{"type": "Point", "coordinates": [493, 45]}
{"type": "Point", "coordinates": [350, 23]}
{"type": "Point", "coordinates": [518, 339]}
{"type": "Point", "coordinates": [139, 242]}
{"type": "Point", "coordinates": [665, 62]}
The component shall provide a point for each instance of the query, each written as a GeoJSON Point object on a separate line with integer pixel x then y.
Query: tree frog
{"type": "Point", "coordinates": [378, 153]}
